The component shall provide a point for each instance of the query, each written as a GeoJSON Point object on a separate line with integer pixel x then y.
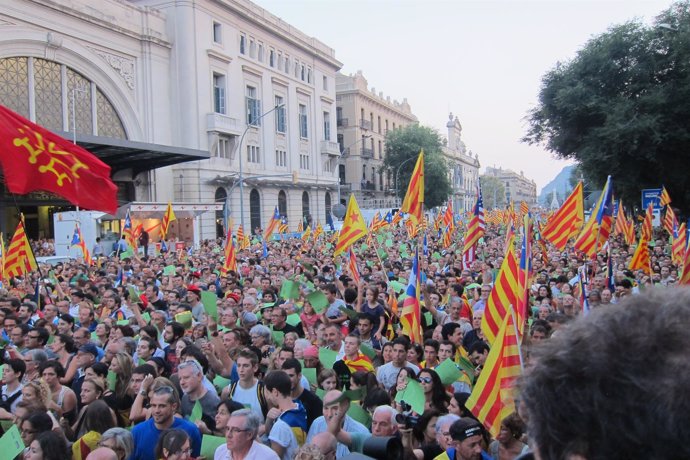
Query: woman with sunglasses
{"type": "Point", "coordinates": [434, 391]}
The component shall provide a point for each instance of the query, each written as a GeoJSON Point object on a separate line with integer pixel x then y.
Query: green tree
{"type": "Point", "coordinates": [402, 148]}
{"type": "Point", "coordinates": [622, 107]}
{"type": "Point", "coordinates": [493, 192]}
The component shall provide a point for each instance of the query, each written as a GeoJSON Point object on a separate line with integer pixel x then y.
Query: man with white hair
{"type": "Point", "coordinates": [240, 439]}
{"type": "Point", "coordinates": [382, 425]}
{"type": "Point", "coordinates": [191, 377]}
{"type": "Point", "coordinates": [326, 443]}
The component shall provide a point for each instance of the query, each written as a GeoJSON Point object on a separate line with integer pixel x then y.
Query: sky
{"type": "Point", "coordinates": [481, 60]}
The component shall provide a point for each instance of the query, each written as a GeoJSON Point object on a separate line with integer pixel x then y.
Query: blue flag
{"type": "Point", "coordinates": [426, 246]}
{"type": "Point", "coordinates": [265, 252]}
{"type": "Point", "coordinates": [329, 221]}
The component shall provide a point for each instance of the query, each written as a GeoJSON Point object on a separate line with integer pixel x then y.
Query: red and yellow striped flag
{"type": "Point", "coordinates": [503, 296]}
{"type": "Point", "coordinates": [524, 207]}
{"type": "Point", "coordinates": [598, 228]}
{"type": "Point", "coordinates": [685, 273]}
{"type": "Point", "coordinates": [567, 222]}
{"type": "Point", "coordinates": [412, 228]}
{"type": "Point", "coordinates": [477, 224]}
{"type": "Point", "coordinates": [670, 220]}
{"type": "Point", "coordinates": [362, 363]}
{"type": "Point", "coordinates": [646, 232]}
{"type": "Point", "coordinates": [19, 259]}
{"type": "Point", "coordinates": [353, 228]}
{"type": "Point", "coordinates": [414, 199]}
{"type": "Point", "coordinates": [630, 232]}
{"type": "Point", "coordinates": [665, 198]}
{"type": "Point", "coordinates": [621, 221]}
{"type": "Point", "coordinates": [640, 260]}
{"type": "Point", "coordinates": [352, 266]}
{"type": "Point", "coordinates": [168, 217]}
{"type": "Point", "coordinates": [307, 233]}
{"type": "Point", "coordinates": [493, 395]}
{"type": "Point", "coordinates": [300, 227]}
{"type": "Point", "coordinates": [678, 251]}
{"type": "Point", "coordinates": [230, 261]}
{"type": "Point", "coordinates": [2, 258]}
{"type": "Point", "coordinates": [318, 231]}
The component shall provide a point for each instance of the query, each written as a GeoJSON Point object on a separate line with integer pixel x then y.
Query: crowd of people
{"type": "Point", "coordinates": [292, 359]}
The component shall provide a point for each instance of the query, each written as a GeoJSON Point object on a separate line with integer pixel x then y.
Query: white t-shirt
{"type": "Point", "coordinates": [249, 397]}
{"type": "Point", "coordinates": [282, 434]}
{"type": "Point", "coordinates": [388, 373]}
{"type": "Point", "coordinates": [257, 452]}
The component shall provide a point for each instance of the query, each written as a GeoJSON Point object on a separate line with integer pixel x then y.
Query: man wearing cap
{"type": "Point", "coordinates": [194, 299]}
{"type": "Point", "coordinates": [466, 441]}
{"type": "Point", "coordinates": [86, 356]}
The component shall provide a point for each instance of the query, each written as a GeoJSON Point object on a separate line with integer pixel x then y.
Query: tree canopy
{"type": "Point", "coordinates": [404, 144]}
{"type": "Point", "coordinates": [622, 107]}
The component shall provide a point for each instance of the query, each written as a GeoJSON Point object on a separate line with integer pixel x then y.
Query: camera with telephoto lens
{"type": "Point", "coordinates": [406, 418]}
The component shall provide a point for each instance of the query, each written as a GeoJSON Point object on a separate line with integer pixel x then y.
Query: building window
{"type": "Point", "coordinates": [305, 207]}
{"type": "Point", "coordinates": [282, 203]}
{"type": "Point", "coordinates": [325, 83]}
{"type": "Point", "coordinates": [379, 124]}
{"type": "Point", "coordinates": [252, 48]}
{"type": "Point", "coordinates": [223, 147]}
{"type": "Point", "coordinates": [302, 73]}
{"type": "Point", "coordinates": [218, 93]}
{"type": "Point", "coordinates": [217, 33]}
{"type": "Point", "coordinates": [326, 126]}
{"type": "Point", "coordinates": [272, 58]}
{"type": "Point", "coordinates": [338, 115]}
{"type": "Point", "coordinates": [243, 44]}
{"type": "Point", "coordinates": [287, 64]}
{"type": "Point", "coordinates": [254, 210]}
{"type": "Point", "coordinates": [253, 154]}
{"type": "Point", "coordinates": [280, 60]}
{"type": "Point", "coordinates": [364, 172]}
{"type": "Point", "coordinates": [309, 75]}
{"type": "Point", "coordinates": [327, 166]}
{"type": "Point", "coordinates": [253, 107]}
{"type": "Point", "coordinates": [281, 158]}
{"type": "Point", "coordinates": [380, 149]}
{"type": "Point", "coordinates": [386, 126]}
{"type": "Point", "coordinates": [303, 133]}
{"type": "Point", "coordinates": [261, 52]}
{"type": "Point", "coordinates": [280, 114]}
{"type": "Point", "coordinates": [304, 161]}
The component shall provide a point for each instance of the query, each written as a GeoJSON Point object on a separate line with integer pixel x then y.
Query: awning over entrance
{"type": "Point", "coordinates": [156, 210]}
{"type": "Point", "coordinates": [121, 154]}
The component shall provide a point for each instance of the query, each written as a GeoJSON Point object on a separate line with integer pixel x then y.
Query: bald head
{"type": "Point", "coordinates": [326, 442]}
{"type": "Point", "coordinates": [103, 453]}
{"type": "Point", "coordinates": [330, 397]}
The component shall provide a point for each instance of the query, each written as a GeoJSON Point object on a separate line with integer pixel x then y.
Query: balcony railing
{"type": "Point", "coordinates": [217, 122]}
{"type": "Point", "coordinates": [330, 148]}
{"type": "Point", "coordinates": [365, 124]}
{"type": "Point", "coordinates": [343, 122]}
{"type": "Point", "coordinates": [367, 152]}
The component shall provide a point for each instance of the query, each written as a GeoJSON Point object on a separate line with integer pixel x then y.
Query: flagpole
{"type": "Point", "coordinates": [512, 314]}
{"type": "Point", "coordinates": [376, 249]}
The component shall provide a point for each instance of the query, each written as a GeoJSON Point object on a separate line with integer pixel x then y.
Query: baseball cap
{"type": "Point", "coordinates": [89, 348]}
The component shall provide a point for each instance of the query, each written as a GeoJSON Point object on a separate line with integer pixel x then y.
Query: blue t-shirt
{"type": "Point", "coordinates": [146, 436]}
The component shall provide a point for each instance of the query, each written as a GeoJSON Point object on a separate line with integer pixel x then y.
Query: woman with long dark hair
{"type": "Point", "coordinates": [174, 444]}
{"type": "Point", "coordinates": [98, 418]}
{"type": "Point", "coordinates": [434, 391]}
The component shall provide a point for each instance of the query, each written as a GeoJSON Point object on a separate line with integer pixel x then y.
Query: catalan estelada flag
{"type": "Point", "coordinates": [273, 224]}
{"type": "Point", "coordinates": [477, 224]}
{"type": "Point", "coordinates": [78, 240]}
{"type": "Point", "coordinates": [129, 232]}
{"type": "Point", "coordinates": [502, 296]}
{"type": "Point", "coordinates": [685, 273]}
{"type": "Point", "coordinates": [283, 227]}
{"type": "Point", "coordinates": [621, 221]}
{"type": "Point", "coordinates": [230, 260]}
{"type": "Point", "coordinates": [646, 230]}
{"type": "Point", "coordinates": [493, 395]}
{"type": "Point", "coordinates": [414, 199]}
{"type": "Point", "coordinates": [318, 231]}
{"type": "Point", "coordinates": [411, 317]}
{"type": "Point", "coordinates": [306, 234]}
{"type": "Point", "coordinates": [168, 217]}
{"type": "Point", "coordinates": [34, 158]}
{"type": "Point", "coordinates": [354, 227]}
{"type": "Point", "coordinates": [352, 266]}
{"type": "Point", "coordinates": [670, 220]}
{"type": "Point", "coordinates": [598, 228]}
{"type": "Point", "coordinates": [362, 363]}
{"type": "Point", "coordinates": [566, 223]}
{"type": "Point", "coordinates": [524, 274]}
{"type": "Point", "coordinates": [19, 259]}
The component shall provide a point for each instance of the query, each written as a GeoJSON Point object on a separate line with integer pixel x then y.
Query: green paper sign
{"type": "Point", "coordinates": [352, 395]}
{"type": "Point", "coordinates": [389, 243]}
{"type": "Point", "coordinates": [397, 286]}
{"type": "Point", "coordinates": [184, 318]}
{"type": "Point", "coordinates": [126, 254]}
{"type": "Point", "coordinates": [448, 371]}
{"type": "Point", "coordinates": [402, 247]}
{"type": "Point", "coordinates": [133, 294]}
{"type": "Point", "coordinates": [329, 246]}
{"type": "Point", "coordinates": [364, 247]}
{"type": "Point", "coordinates": [404, 255]}
{"type": "Point", "coordinates": [209, 300]}
{"type": "Point", "coordinates": [380, 238]}
{"type": "Point", "coordinates": [293, 319]}
{"type": "Point", "coordinates": [169, 270]}
{"type": "Point", "coordinates": [278, 337]}
{"type": "Point", "coordinates": [94, 336]}
{"type": "Point", "coordinates": [197, 412]}
{"type": "Point", "coordinates": [367, 351]}
{"type": "Point", "coordinates": [146, 317]}
{"type": "Point", "coordinates": [428, 319]}
{"type": "Point", "coordinates": [358, 413]}
{"type": "Point", "coordinates": [209, 444]}
{"type": "Point", "coordinates": [327, 357]}
{"type": "Point", "coordinates": [349, 312]}
{"type": "Point", "coordinates": [221, 382]}
{"type": "Point", "coordinates": [289, 290]}
{"type": "Point", "coordinates": [11, 443]}
{"type": "Point", "coordinates": [382, 253]}
{"type": "Point", "coordinates": [318, 300]}
{"type": "Point", "coordinates": [320, 392]}
{"type": "Point", "coordinates": [310, 374]}
{"type": "Point", "coordinates": [436, 256]}
{"type": "Point", "coordinates": [123, 322]}
{"type": "Point", "coordinates": [413, 394]}
{"type": "Point", "coordinates": [112, 380]}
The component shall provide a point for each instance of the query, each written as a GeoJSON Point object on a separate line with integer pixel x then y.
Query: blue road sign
{"type": "Point", "coordinates": [651, 195]}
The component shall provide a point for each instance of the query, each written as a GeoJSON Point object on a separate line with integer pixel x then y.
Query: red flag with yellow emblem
{"type": "Point", "coordinates": [34, 158]}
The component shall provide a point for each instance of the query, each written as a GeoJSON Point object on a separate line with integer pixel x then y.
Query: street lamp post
{"type": "Point", "coordinates": [239, 152]}
{"type": "Point", "coordinates": [342, 152]}
{"type": "Point", "coordinates": [397, 174]}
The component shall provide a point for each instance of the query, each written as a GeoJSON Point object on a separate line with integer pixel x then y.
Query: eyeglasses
{"type": "Point", "coordinates": [425, 379]}
{"type": "Point", "coordinates": [233, 431]}
{"type": "Point", "coordinates": [187, 451]}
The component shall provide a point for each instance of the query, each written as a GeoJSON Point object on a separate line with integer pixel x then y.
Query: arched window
{"type": "Point", "coordinates": [51, 87]}
{"type": "Point", "coordinates": [254, 210]}
{"type": "Point", "coordinates": [221, 197]}
{"type": "Point", "coordinates": [282, 203]}
{"type": "Point", "coordinates": [305, 207]}
{"type": "Point", "coordinates": [328, 205]}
